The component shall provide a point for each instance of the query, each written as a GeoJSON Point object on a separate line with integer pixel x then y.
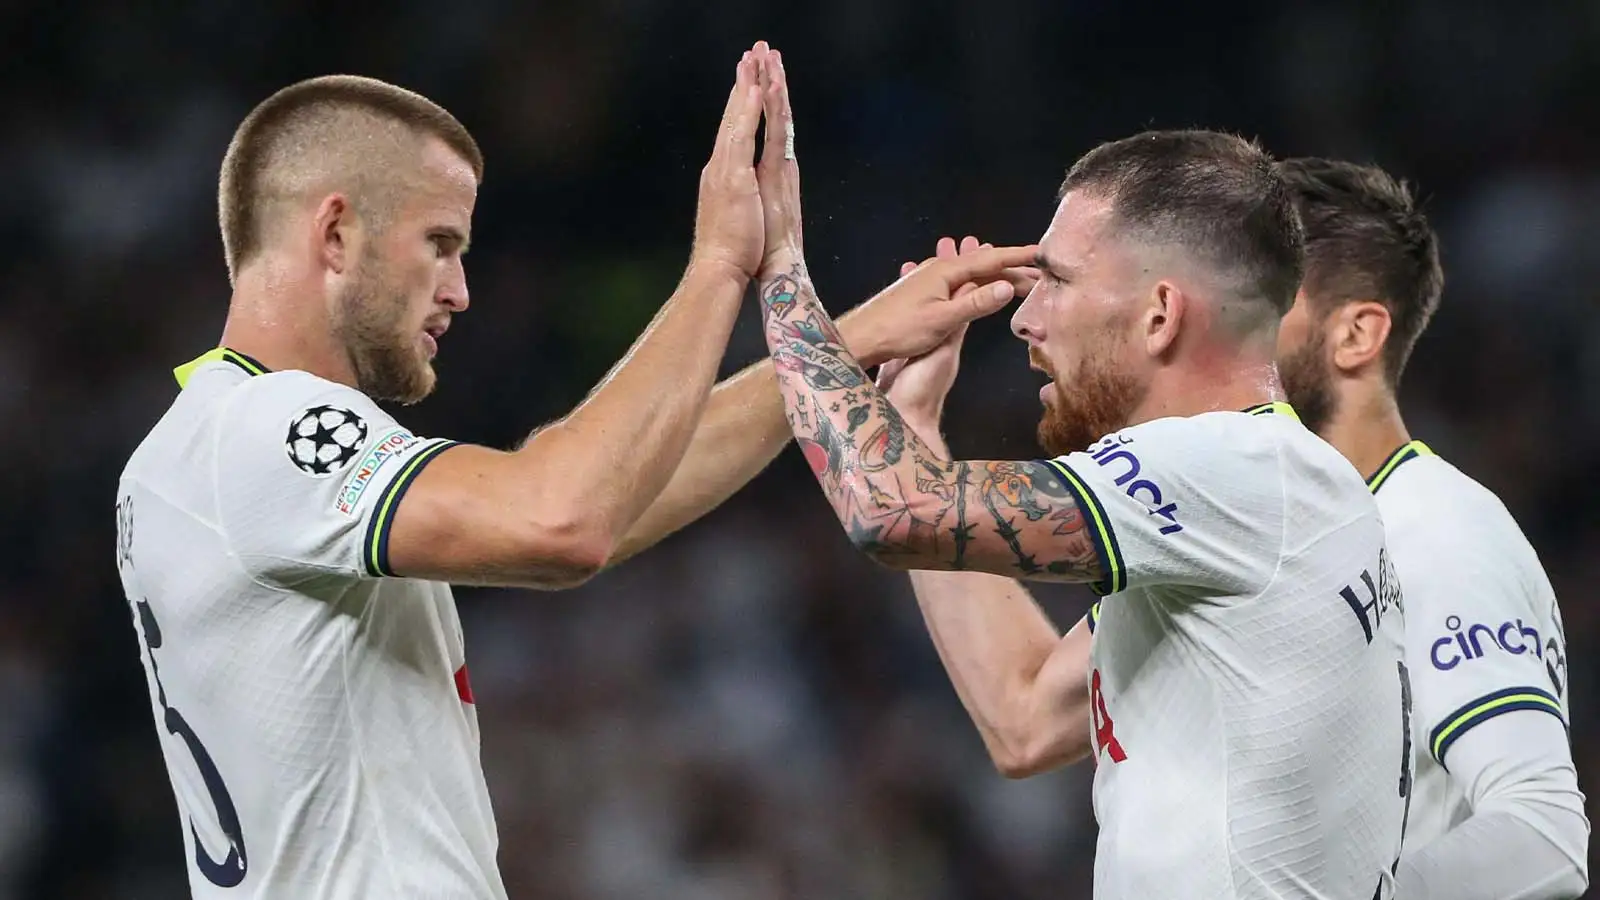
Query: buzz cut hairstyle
{"type": "Point", "coordinates": [335, 132]}
{"type": "Point", "coordinates": [1366, 239]}
{"type": "Point", "coordinates": [1217, 196]}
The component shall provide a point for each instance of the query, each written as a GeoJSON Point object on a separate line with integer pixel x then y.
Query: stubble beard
{"type": "Point", "coordinates": [1308, 383]}
{"type": "Point", "coordinates": [1095, 401]}
{"type": "Point", "coordinates": [371, 325]}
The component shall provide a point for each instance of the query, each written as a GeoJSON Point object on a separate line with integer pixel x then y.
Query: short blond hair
{"type": "Point", "coordinates": [336, 132]}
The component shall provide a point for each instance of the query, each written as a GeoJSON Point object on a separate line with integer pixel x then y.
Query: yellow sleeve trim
{"type": "Point", "coordinates": [1101, 534]}
{"type": "Point", "coordinates": [376, 554]}
{"type": "Point", "coordinates": [1485, 708]}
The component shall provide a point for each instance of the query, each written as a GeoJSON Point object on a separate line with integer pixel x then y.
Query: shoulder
{"type": "Point", "coordinates": [285, 402]}
{"type": "Point", "coordinates": [1454, 541]}
{"type": "Point", "coordinates": [282, 393]}
{"type": "Point", "coordinates": [288, 423]}
{"type": "Point", "coordinates": [1431, 503]}
{"type": "Point", "coordinates": [1271, 452]}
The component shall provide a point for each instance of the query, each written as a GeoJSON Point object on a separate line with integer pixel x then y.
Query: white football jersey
{"type": "Point", "coordinates": [1484, 633]}
{"type": "Point", "coordinates": [1249, 699]}
{"type": "Point", "coordinates": [315, 715]}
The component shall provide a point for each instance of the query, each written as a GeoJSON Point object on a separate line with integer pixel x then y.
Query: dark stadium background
{"type": "Point", "coordinates": [750, 710]}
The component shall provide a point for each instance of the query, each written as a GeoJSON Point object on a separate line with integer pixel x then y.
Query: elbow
{"type": "Point", "coordinates": [870, 541]}
{"type": "Point", "coordinates": [1577, 883]}
{"type": "Point", "coordinates": [567, 552]}
{"type": "Point", "coordinates": [1574, 882]}
{"type": "Point", "coordinates": [1017, 767]}
{"type": "Point", "coordinates": [1022, 754]}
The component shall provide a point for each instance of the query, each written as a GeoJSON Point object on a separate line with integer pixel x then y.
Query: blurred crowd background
{"type": "Point", "coordinates": [749, 710]}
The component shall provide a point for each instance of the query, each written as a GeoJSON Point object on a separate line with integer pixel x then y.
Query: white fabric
{"type": "Point", "coordinates": [1526, 837]}
{"type": "Point", "coordinates": [1246, 687]}
{"type": "Point", "coordinates": [319, 702]}
{"type": "Point", "coordinates": [1488, 656]}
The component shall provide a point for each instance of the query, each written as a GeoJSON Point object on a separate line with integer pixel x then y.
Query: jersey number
{"type": "Point", "coordinates": [231, 871]}
{"type": "Point", "coordinates": [1105, 740]}
{"type": "Point", "coordinates": [1405, 767]}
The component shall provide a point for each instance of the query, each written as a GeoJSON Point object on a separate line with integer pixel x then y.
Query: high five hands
{"type": "Point", "coordinates": [749, 221]}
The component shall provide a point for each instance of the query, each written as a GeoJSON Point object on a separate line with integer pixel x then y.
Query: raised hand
{"type": "Point", "coordinates": [728, 226]}
{"type": "Point", "coordinates": [918, 387]}
{"type": "Point", "coordinates": [933, 299]}
{"type": "Point", "coordinates": [779, 172]}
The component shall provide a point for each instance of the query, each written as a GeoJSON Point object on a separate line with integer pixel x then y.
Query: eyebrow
{"type": "Point", "coordinates": [462, 239]}
{"type": "Point", "coordinates": [1052, 267]}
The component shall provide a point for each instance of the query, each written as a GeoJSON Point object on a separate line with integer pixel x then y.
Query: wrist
{"type": "Point", "coordinates": [860, 339]}
{"type": "Point", "coordinates": [925, 425]}
{"type": "Point", "coordinates": [782, 261]}
{"type": "Point", "coordinates": [710, 270]}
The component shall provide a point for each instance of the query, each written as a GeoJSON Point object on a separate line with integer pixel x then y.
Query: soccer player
{"type": "Point", "coordinates": [1497, 812]}
{"type": "Point", "coordinates": [286, 545]}
{"type": "Point", "coordinates": [1246, 682]}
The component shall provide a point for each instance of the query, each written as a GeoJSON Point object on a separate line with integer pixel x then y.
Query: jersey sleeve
{"type": "Point", "coordinates": [1527, 835]}
{"type": "Point", "coordinates": [1477, 644]}
{"type": "Point", "coordinates": [1176, 502]}
{"type": "Point", "coordinates": [309, 476]}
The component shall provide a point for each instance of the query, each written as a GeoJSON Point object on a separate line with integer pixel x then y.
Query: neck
{"type": "Point", "coordinates": [1237, 381]}
{"type": "Point", "coordinates": [1366, 425]}
{"type": "Point", "coordinates": [282, 321]}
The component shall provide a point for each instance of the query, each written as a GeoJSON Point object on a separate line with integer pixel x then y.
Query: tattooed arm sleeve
{"type": "Point", "coordinates": [901, 503]}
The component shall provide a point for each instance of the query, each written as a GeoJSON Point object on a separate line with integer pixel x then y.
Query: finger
{"type": "Point", "coordinates": [1023, 278]}
{"type": "Point", "coordinates": [888, 372]}
{"type": "Point", "coordinates": [906, 268]}
{"type": "Point", "coordinates": [780, 115]}
{"type": "Point", "coordinates": [980, 302]}
{"type": "Point", "coordinates": [969, 244]}
{"type": "Point", "coordinates": [737, 141]}
{"type": "Point", "coordinates": [987, 264]}
{"type": "Point", "coordinates": [772, 150]}
{"type": "Point", "coordinates": [734, 93]}
{"type": "Point", "coordinates": [946, 248]}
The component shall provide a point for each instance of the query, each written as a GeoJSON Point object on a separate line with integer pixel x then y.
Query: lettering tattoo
{"type": "Point", "coordinates": [899, 501]}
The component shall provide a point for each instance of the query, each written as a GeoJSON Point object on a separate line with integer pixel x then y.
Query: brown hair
{"type": "Point", "coordinates": [336, 128]}
{"type": "Point", "coordinates": [1216, 195]}
{"type": "Point", "coordinates": [1367, 240]}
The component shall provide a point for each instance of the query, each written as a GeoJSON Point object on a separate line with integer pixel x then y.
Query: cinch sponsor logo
{"type": "Point", "coordinates": [388, 447]}
{"type": "Point", "coordinates": [1462, 645]}
{"type": "Point", "coordinates": [1381, 595]}
{"type": "Point", "coordinates": [1112, 454]}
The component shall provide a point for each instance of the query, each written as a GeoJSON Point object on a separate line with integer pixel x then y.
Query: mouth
{"type": "Point", "coordinates": [432, 333]}
{"type": "Point", "coordinates": [1048, 389]}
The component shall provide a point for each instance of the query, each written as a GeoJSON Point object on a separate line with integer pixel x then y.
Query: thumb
{"type": "Point", "coordinates": [983, 301]}
{"type": "Point", "coordinates": [888, 372]}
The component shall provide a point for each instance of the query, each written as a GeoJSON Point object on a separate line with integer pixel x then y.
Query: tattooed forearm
{"type": "Point", "coordinates": [887, 445]}
{"type": "Point", "coordinates": [898, 500]}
